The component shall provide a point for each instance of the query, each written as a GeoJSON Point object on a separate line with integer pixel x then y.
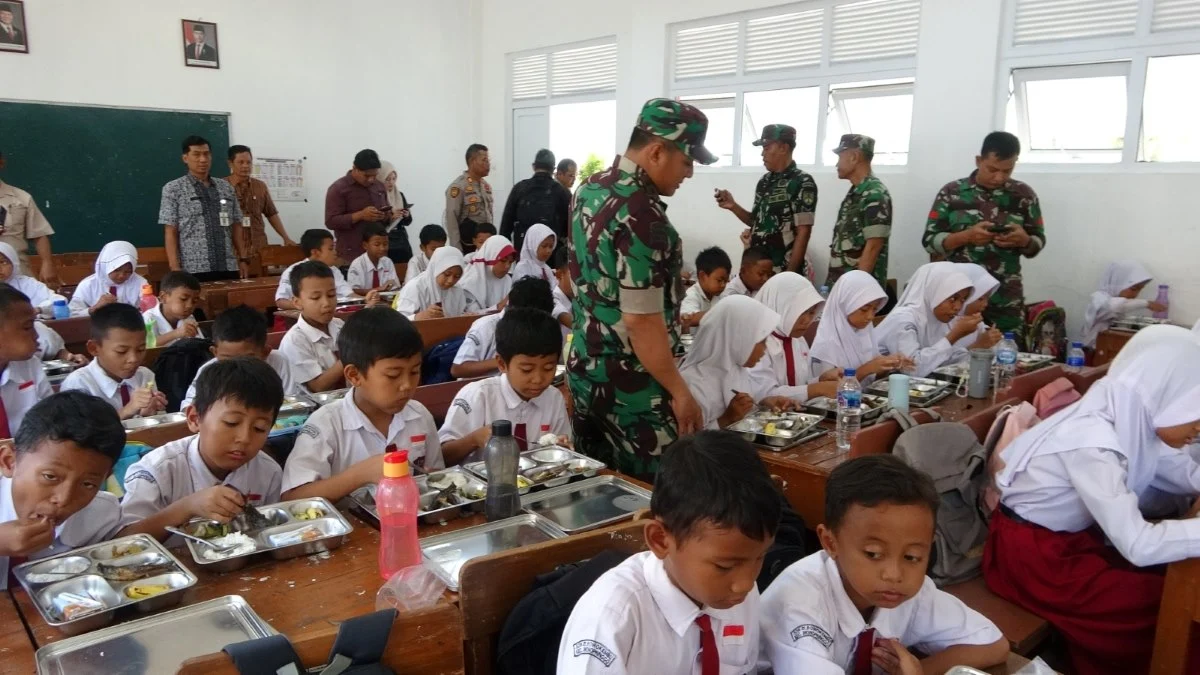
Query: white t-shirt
{"type": "Point", "coordinates": [810, 625]}
{"type": "Point", "coordinates": [695, 300]}
{"type": "Point", "coordinates": [284, 292]}
{"type": "Point", "coordinates": [635, 620]}
{"type": "Point", "coordinates": [416, 265]}
{"type": "Point", "coordinates": [22, 385]}
{"type": "Point", "coordinates": [339, 435]}
{"type": "Point", "coordinates": [479, 403]}
{"type": "Point", "coordinates": [309, 350]}
{"type": "Point", "coordinates": [479, 344]}
{"type": "Point", "coordinates": [275, 359]}
{"type": "Point", "coordinates": [737, 287]}
{"type": "Point", "coordinates": [93, 379]}
{"type": "Point", "coordinates": [162, 326]}
{"type": "Point", "coordinates": [359, 273]}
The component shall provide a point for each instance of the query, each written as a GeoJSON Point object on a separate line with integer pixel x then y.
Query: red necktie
{"type": "Point", "coordinates": [789, 357]}
{"type": "Point", "coordinates": [522, 439]}
{"type": "Point", "coordinates": [112, 290]}
{"type": "Point", "coordinates": [710, 658]}
{"type": "Point", "coordinates": [374, 278]}
{"type": "Point", "coordinates": [862, 652]}
{"type": "Point", "coordinates": [124, 389]}
{"type": "Point", "coordinates": [4, 430]}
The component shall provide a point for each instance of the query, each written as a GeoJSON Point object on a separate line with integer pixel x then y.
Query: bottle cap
{"type": "Point", "coordinates": [395, 464]}
{"type": "Point", "coordinates": [502, 428]}
{"type": "Point", "coordinates": [60, 302]}
{"type": "Point", "coordinates": [147, 289]}
{"type": "Point", "coordinates": [850, 372]}
{"type": "Point", "coordinates": [1010, 335]}
{"type": "Point", "coordinates": [1077, 345]}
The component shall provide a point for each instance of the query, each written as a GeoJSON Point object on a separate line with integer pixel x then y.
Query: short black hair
{"type": "Point", "coordinates": [87, 421]}
{"type": "Point", "coordinates": [754, 255]}
{"type": "Point", "coordinates": [249, 381]}
{"type": "Point", "coordinates": [116, 315]}
{"type": "Point", "coordinates": [528, 331]}
{"type": "Point", "coordinates": [480, 228]}
{"type": "Point", "coordinates": [1001, 144]}
{"type": "Point", "coordinates": [531, 293]}
{"type": "Point", "coordinates": [313, 240]}
{"type": "Point", "coordinates": [431, 233]}
{"type": "Point", "coordinates": [235, 150]}
{"type": "Point", "coordinates": [366, 160]}
{"type": "Point", "coordinates": [377, 333]}
{"type": "Point", "coordinates": [240, 324]}
{"type": "Point", "coordinates": [640, 138]}
{"type": "Point", "coordinates": [712, 259]}
{"type": "Point", "coordinates": [197, 28]}
{"type": "Point", "coordinates": [565, 164]}
{"type": "Point", "coordinates": [10, 296]}
{"type": "Point", "coordinates": [373, 230]}
{"type": "Point", "coordinates": [178, 279]}
{"type": "Point", "coordinates": [306, 269]}
{"type": "Point", "coordinates": [873, 480]}
{"type": "Point", "coordinates": [193, 140]}
{"type": "Point", "coordinates": [475, 149]}
{"type": "Point", "coordinates": [715, 476]}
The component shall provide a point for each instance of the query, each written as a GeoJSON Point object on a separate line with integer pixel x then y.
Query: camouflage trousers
{"type": "Point", "coordinates": [622, 415]}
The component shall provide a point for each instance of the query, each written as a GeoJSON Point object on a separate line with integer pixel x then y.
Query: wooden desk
{"type": "Point", "coordinates": [74, 331]}
{"type": "Point", "coordinates": [214, 295]}
{"type": "Point", "coordinates": [16, 650]}
{"type": "Point", "coordinates": [1109, 343]}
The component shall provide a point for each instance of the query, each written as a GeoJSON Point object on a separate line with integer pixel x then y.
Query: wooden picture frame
{"type": "Point", "coordinates": [200, 46]}
{"type": "Point", "coordinates": [14, 31]}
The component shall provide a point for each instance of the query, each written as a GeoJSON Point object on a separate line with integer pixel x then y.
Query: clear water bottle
{"type": "Point", "coordinates": [1162, 299]}
{"type": "Point", "coordinates": [849, 409]}
{"type": "Point", "coordinates": [1075, 357]}
{"type": "Point", "coordinates": [1006, 362]}
{"type": "Point", "coordinates": [501, 456]}
{"type": "Point", "coordinates": [824, 291]}
{"type": "Point", "coordinates": [397, 500]}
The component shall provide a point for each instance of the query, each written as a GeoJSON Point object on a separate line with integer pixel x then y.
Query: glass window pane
{"type": "Point", "coordinates": [887, 119]}
{"type": "Point", "coordinates": [1169, 130]}
{"type": "Point", "coordinates": [720, 112]}
{"type": "Point", "coordinates": [794, 107]}
{"type": "Point", "coordinates": [1086, 113]}
{"type": "Point", "coordinates": [581, 130]}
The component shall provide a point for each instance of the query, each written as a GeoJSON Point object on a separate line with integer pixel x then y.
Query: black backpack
{"type": "Point", "coordinates": [357, 650]}
{"type": "Point", "coordinates": [436, 364]}
{"type": "Point", "coordinates": [537, 205]}
{"type": "Point", "coordinates": [176, 367]}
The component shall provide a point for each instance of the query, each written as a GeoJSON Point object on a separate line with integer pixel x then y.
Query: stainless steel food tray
{"type": "Point", "coordinates": [754, 427]}
{"type": "Point", "coordinates": [136, 423]}
{"type": "Point", "coordinates": [873, 407]}
{"type": "Point", "coordinates": [1029, 362]}
{"type": "Point", "coordinates": [275, 540]}
{"type": "Point", "coordinates": [588, 504]}
{"type": "Point", "coordinates": [322, 398]}
{"type": "Point", "coordinates": [363, 499]}
{"type": "Point", "coordinates": [445, 554]}
{"type": "Point", "coordinates": [1135, 323]}
{"type": "Point", "coordinates": [922, 391]}
{"type": "Point", "coordinates": [546, 458]}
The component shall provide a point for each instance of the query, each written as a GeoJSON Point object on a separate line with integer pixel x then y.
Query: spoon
{"type": "Point", "coordinates": [215, 547]}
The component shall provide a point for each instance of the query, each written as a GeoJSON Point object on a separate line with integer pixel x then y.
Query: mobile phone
{"type": "Point", "coordinates": [998, 229]}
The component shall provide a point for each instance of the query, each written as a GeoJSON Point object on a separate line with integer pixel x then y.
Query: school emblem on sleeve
{"type": "Point", "coordinates": [462, 403]}
{"type": "Point", "coordinates": [454, 192]}
{"type": "Point", "coordinates": [810, 630]}
{"type": "Point", "coordinates": [592, 648]}
{"type": "Point", "coordinates": [310, 431]}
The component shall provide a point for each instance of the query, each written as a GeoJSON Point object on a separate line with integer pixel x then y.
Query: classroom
{"type": "Point", "coordinates": [516, 336]}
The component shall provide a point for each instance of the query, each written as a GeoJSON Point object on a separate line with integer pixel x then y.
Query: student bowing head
{"type": "Point", "coordinates": [528, 342]}
{"type": "Point", "coordinates": [446, 267]}
{"type": "Point", "coordinates": [794, 299]}
{"type": "Point", "coordinates": [381, 351]}
{"type": "Point", "coordinates": [235, 407]}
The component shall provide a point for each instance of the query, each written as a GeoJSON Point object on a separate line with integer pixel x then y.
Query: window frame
{"type": "Point", "coordinates": [837, 104]}
{"type": "Point", "coordinates": [1023, 76]}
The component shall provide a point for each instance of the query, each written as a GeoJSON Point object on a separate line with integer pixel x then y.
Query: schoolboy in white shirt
{"type": "Point", "coordinates": [713, 268]}
{"type": "Point", "coordinates": [311, 345]}
{"type": "Point", "coordinates": [341, 447]}
{"type": "Point", "coordinates": [171, 319]}
{"type": "Point", "coordinates": [213, 473]}
{"type": "Point", "coordinates": [373, 270]}
{"type": "Point", "coordinates": [50, 492]}
{"type": "Point", "coordinates": [317, 246]}
{"type": "Point", "coordinates": [690, 603]}
{"type": "Point", "coordinates": [755, 270]}
{"type": "Point", "coordinates": [528, 344]}
{"type": "Point", "coordinates": [865, 598]}
{"type": "Point", "coordinates": [242, 331]}
{"type": "Point", "coordinates": [477, 355]}
{"type": "Point", "coordinates": [22, 380]}
{"type": "Point", "coordinates": [431, 238]}
{"type": "Point", "coordinates": [116, 373]}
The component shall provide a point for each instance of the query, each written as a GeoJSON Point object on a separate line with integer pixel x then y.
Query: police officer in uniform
{"type": "Point", "coordinates": [469, 200]}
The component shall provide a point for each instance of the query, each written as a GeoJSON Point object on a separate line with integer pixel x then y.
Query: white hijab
{"type": "Point", "coordinates": [1155, 382]}
{"type": "Point", "coordinates": [982, 281]}
{"type": "Point", "coordinates": [39, 294]}
{"type": "Point", "coordinates": [529, 265]}
{"type": "Point", "coordinates": [394, 198]}
{"type": "Point", "coordinates": [478, 280]}
{"type": "Point", "coordinates": [838, 343]}
{"type": "Point", "coordinates": [929, 287]}
{"type": "Point", "coordinates": [789, 295]}
{"type": "Point", "coordinates": [716, 365]}
{"type": "Point", "coordinates": [1117, 277]}
{"type": "Point", "coordinates": [112, 257]}
{"type": "Point", "coordinates": [423, 292]}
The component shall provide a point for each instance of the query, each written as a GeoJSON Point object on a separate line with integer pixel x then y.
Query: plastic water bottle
{"type": "Point", "coordinates": [397, 500]}
{"type": "Point", "coordinates": [1075, 357]}
{"type": "Point", "coordinates": [151, 335]}
{"type": "Point", "coordinates": [147, 302]}
{"type": "Point", "coordinates": [824, 291]}
{"type": "Point", "coordinates": [501, 456]}
{"type": "Point", "coordinates": [61, 311]}
{"type": "Point", "coordinates": [1006, 363]}
{"type": "Point", "coordinates": [1162, 299]}
{"type": "Point", "coordinates": [849, 409]}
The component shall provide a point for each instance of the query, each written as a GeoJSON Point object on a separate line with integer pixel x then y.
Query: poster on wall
{"type": "Point", "coordinates": [284, 178]}
{"type": "Point", "coordinates": [13, 34]}
{"type": "Point", "coordinates": [200, 44]}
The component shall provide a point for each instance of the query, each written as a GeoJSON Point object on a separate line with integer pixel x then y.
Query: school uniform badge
{"type": "Point", "coordinates": [811, 630]}
{"type": "Point", "coordinates": [595, 649]}
{"type": "Point", "coordinates": [733, 635]}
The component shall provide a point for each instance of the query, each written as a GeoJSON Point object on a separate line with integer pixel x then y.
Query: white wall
{"type": "Point", "coordinates": [1092, 216]}
{"type": "Point", "coordinates": [301, 78]}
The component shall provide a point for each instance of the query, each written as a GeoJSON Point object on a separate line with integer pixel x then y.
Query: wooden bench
{"type": "Point", "coordinates": [261, 299]}
{"type": "Point", "coordinates": [1023, 630]}
{"type": "Point", "coordinates": [278, 256]}
{"type": "Point", "coordinates": [434, 331]}
{"type": "Point", "coordinates": [1177, 614]}
{"type": "Point", "coordinates": [438, 397]}
{"type": "Point", "coordinates": [1087, 377]}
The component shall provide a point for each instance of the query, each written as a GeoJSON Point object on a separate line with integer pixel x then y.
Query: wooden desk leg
{"type": "Point", "coordinates": [1176, 614]}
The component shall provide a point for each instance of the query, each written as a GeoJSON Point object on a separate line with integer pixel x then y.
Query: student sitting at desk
{"type": "Point", "coordinates": [311, 345]}
{"type": "Point", "coordinates": [925, 324]}
{"type": "Point", "coordinates": [172, 317]}
{"type": "Point", "coordinates": [317, 245]}
{"type": "Point", "coordinates": [10, 273]}
{"type": "Point", "coordinates": [536, 250]}
{"type": "Point", "coordinates": [486, 280]}
{"type": "Point", "coordinates": [436, 293]}
{"type": "Point", "coordinates": [242, 331]}
{"type": "Point", "coordinates": [22, 380]}
{"type": "Point", "coordinates": [373, 270]}
{"type": "Point", "coordinates": [983, 284]}
{"type": "Point", "coordinates": [477, 355]}
{"type": "Point", "coordinates": [1118, 294]}
{"type": "Point", "coordinates": [786, 368]}
{"type": "Point", "coordinates": [483, 232]}
{"type": "Point", "coordinates": [755, 269]}
{"type": "Point", "coordinates": [713, 268]}
{"type": "Point", "coordinates": [431, 238]}
{"type": "Point", "coordinates": [116, 373]}
{"type": "Point", "coordinates": [846, 337]}
{"type": "Point", "coordinates": [113, 281]}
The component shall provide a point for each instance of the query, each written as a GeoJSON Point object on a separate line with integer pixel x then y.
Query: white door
{"type": "Point", "coordinates": [531, 132]}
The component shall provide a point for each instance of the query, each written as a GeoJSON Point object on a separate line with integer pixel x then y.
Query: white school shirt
{"type": "Point", "coordinates": [310, 350]}
{"type": "Point", "coordinates": [481, 403]}
{"type": "Point", "coordinates": [770, 376]}
{"type": "Point", "coordinates": [810, 626]}
{"type": "Point", "coordinates": [22, 385]}
{"type": "Point", "coordinates": [479, 344]}
{"type": "Point", "coordinates": [635, 620]}
{"type": "Point", "coordinates": [162, 326]}
{"type": "Point", "coordinates": [1072, 490]}
{"type": "Point", "coordinates": [695, 300]}
{"type": "Point", "coordinates": [94, 523]}
{"type": "Point", "coordinates": [278, 363]}
{"type": "Point", "coordinates": [50, 343]}
{"type": "Point", "coordinates": [416, 265]}
{"type": "Point", "coordinates": [737, 287]}
{"type": "Point", "coordinates": [176, 470]}
{"type": "Point", "coordinates": [284, 292]}
{"type": "Point", "coordinates": [91, 289]}
{"type": "Point", "coordinates": [359, 273]}
{"type": "Point", "coordinates": [339, 435]}
{"type": "Point", "coordinates": [96, 381]}
{"type": "Point", "coordinates": [926, 358]}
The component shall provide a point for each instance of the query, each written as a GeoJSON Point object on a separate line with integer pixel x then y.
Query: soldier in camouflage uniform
{"type": "Point", "coordinates": [625, 258]}
{"type": "Point", "coordinates": [860, 237]}
{"type": "Point", "coordinates": [992, 220]}
{"type": "Point", "coordinates": [785, 202]}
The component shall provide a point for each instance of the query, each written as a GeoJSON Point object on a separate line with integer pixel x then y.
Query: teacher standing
{"type": "Point", "coordinates": [354, 199]}
{"type": "Point", "coordinates": [202, 221]}
{"type": "Point", "coordinates": [399, 248]}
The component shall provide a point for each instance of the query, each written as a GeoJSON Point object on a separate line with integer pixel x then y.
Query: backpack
{"type": "Point", "coordinates": [176, 367]}
{"type": "Point", "coordinates": [792, 542]}
{"type": "Point", "coordinates": [1046, 329]}
{"type": "Point", "coordinates": [1010, 422]}
{"type": "Point", "coordinates": [1054, 397]}
{"type": "Point", "coordinates": [435, 366]}
{"type": "Point", "coordinates": [952, 456]}
{"type": "Point", "coordinates": [537, 205]}
{"type": "Point", "coordinates": [357, 650]}
{"type": "Point", "coordinates": [134, 451]}
{"type": "Point", "coordinates": [528, 643]}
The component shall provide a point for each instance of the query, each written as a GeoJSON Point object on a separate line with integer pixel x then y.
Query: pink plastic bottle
{"type": "Point", "coordinates": [1162, 299]}
{"type": "Point", "coordinates": [147, 301]}
{"type": "Point", "coordinates": [397, 500]}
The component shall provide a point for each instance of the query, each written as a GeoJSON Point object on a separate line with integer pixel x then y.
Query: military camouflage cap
{"type": "Point", "coordinates": [856, 142]}
{"type": "Point", "coordinates": [679, 122]}
{"type": "Point", "coordinates": [777, 132]}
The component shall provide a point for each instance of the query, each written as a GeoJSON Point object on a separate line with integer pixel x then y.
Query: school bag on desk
{"type": "Point", "coordinates": [176, 367]}
{"type": "Point", "coordinates": [357, 650]}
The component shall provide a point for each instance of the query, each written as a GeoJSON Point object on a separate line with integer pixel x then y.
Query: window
{"type": "Point", "coordinates": [795, 65]}
{"type": "Point", "coordinates": [1071, 114]}
{"type": "Point", "coordinates": [581, 130]}
{"type": "Point", "coordinates": [1169, 132]}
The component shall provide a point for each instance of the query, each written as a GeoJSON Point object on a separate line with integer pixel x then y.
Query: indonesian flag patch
{"type": "Point", "coordinates": [733, 635]}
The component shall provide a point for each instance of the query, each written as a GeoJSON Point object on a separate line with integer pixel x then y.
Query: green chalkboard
{"type": "Point", "coordinates": [96, 172]}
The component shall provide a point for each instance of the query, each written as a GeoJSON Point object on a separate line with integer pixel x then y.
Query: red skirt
{"type": "Point", "coordinates": [1105, 607]}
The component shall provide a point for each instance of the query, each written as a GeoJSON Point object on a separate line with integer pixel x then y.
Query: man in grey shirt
{"type": "Point", "coordinates": [202, 220]}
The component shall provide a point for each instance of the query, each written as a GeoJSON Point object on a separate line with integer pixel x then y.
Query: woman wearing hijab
{"type": "Point", "coordinates": [731, 340]}
{"type": "Point", "coordinates": [1068, 542]}
{"type": "Point", "coordinates": [113, 281]}
{"type": "Point", "coordinates": [435, 293]}
{"type": "Point", "coordinates": [535, 251]}
{"type": "Point", "coordinates": [486, 280]}
{"type": "Point", "coordinates": [845, 336]}
{"type": "Point", "coordinates": [399, 248]}
{"type": "Point", "coordinates": [920, 326]}
{"type": "Point", "coordinates": [786, 369]}
{"type": "Point", "coordinates": [1117, 295]}
{"type": "Point", "coordinates": [39, 294]}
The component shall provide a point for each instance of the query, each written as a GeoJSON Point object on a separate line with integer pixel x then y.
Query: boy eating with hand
{"type": "Point", "coordinates": [311, 345]}
{"type": "Point", "coordinates": [713, 268]}
{"type": "Point", "coordinates": [341, 446]}
{"type": "Point", "coordinates": [172, 317]}
{"type": "Point", "coordinates": [865, 598]}
{"type": "Point", "coordinates": [373, 270]}
{"type": "Point", "coordinates": [22, 381]}
{"type": "Point", "coordinates": [50, 497]}
{"type": "Point", "coordinates": [242, 331]}
{"type": "Point", "coordinates": [218, 469]}
{"type": "Point", "coordinates": [756, 269]}
{"type": "Point", "coordinates": [116, 373]}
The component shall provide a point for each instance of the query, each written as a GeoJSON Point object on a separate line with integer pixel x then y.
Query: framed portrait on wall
{"type": "Point", "coordinates": [14, 37]}
{"type": "Point", "coordinates": [200, 48]}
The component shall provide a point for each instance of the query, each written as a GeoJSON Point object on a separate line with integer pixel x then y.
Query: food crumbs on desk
{"type": "Point", "coordinates": [263, 578]}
